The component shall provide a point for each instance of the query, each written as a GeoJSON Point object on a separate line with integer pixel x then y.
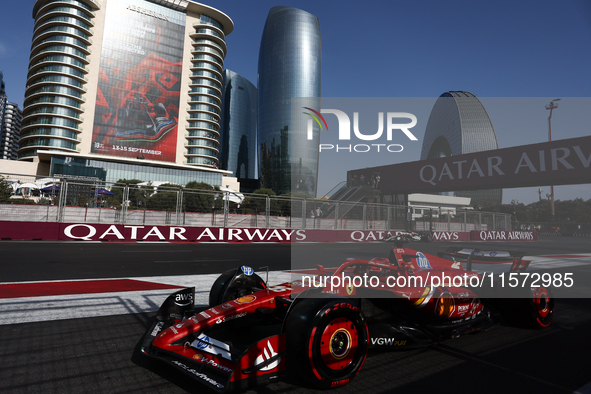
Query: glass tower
{"type": "Point", "coordinates": [10, 131]}
{"type": "Point", "coordinates": [239, 126]}
{"type": "Point", "coordinates": [459, 124]}
{"type": "Point", "coordinates": [290, 65]}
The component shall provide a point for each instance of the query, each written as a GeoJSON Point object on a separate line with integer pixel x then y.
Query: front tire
{"type": "Point", "coordinates": [327, 341]}
{"type": "Point", "coordinates": [234, 284]}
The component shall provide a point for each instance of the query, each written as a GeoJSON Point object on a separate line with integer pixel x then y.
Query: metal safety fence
{"type": "Point", "coordinates": [93, 201]}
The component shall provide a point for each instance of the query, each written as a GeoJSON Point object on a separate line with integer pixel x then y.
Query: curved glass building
{"type": "Point", "coordinates": [290, 65]}
{"type": "Point", "coordinates": [459, 124]}
{"type": "Point", "coordinates": [239, 126]}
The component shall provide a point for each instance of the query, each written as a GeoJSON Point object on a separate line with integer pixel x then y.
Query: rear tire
{"type": "Point", "coordinates": [542, 304]}
{"type": "Point", "coordinates": [327, 341]}
{"type": "Point", "coordinates": [534, 311]}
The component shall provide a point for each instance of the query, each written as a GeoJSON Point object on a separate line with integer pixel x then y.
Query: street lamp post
{"type": "Point", "coordinates": [551, 106]}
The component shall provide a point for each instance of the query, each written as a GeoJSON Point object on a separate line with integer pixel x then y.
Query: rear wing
{"type": "Point", "coordinates": [486, 257]}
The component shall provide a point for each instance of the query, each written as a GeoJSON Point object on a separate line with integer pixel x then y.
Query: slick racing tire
{"type": "Point", "coordinates": [234, 284]}
{"type": "Point", "coordinates": [542, 307]}
{"type": "Point", "coordinates": [327, 341]}
{"type": "Point", "coordinates": [535, 310]}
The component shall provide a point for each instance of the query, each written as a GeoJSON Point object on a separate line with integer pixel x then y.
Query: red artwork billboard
{"type": "Point", "coordinates": [138, 92]}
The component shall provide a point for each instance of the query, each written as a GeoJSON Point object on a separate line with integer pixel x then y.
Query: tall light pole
{"type": "Point", "coordinates": [551, 106]}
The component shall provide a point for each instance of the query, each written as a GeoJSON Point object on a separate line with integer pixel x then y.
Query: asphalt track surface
{"type": "Point", "coordinates": [99, 354]}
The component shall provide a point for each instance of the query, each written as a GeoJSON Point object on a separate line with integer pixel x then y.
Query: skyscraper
{"type": "Point", "coordinates": [126, 85]}
{"type": "Point", "coordinates": [290, 65]}
{"type": "Point", "coordinates": [459, 124]}
{"type": "Point", "coordinates": [239, 126]}
{"type": "Point", "coordinates": [10, 131]}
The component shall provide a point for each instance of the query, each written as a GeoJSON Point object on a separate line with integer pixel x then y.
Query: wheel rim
{"type": "Point", "coordinates": [338, 344]}
{"type": "Point", "coordinates": [542, 302]}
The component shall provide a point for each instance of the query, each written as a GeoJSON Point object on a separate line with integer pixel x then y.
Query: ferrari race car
{"type": "Point", "coordinates": [319, 326]}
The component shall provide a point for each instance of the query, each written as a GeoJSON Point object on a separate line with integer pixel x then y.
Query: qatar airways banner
{"type": "Point", "coordinates": [131, 233]}
{"type": "Point", "coordinates": [50, 231]}
{"type": "Point", "coordinates": [562, 162]}
{"type": "Point", "coordinates": [503, 235]}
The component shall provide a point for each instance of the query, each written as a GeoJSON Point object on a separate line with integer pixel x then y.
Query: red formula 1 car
{"type": "Point", "coordinates": [320, 327]}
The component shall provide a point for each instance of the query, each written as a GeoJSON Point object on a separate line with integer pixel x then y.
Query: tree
{"type": "Point", "coordinates": [259, 204]}
{"type": "Point", "coordinates": [5, 190]}
{"type": "Point", "coordinates": [165, 199]}
{"type": "Point", "coordinates": [204, 201]}
{"type": "Point", "coordinates": [138, 195]}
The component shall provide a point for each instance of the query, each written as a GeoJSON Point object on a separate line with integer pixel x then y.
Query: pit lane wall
{"type": "Point", "coordinates": [54, 231]}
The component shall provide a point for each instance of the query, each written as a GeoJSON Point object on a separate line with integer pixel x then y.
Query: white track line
{"type": "Point", "coordinates": [76, 306]}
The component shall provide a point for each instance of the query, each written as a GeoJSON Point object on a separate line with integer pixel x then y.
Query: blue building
{"type": "Point", "coordinates": [459, 124]}
{"type": "Point", "coordinates": [239, 126]}
{"type": "Point", "coordinates": [290, 65]}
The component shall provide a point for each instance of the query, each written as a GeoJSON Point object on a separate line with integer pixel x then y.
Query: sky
{"type": "Point", "coordinates": [528, 51]}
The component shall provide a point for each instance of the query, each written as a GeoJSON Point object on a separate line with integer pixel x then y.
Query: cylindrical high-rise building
{"type": "Point", "coordinates": [127, 88]}
{"type": "Point", "coordinates": [10, 131]}
{"type": "Point", "coordinates": [459, 124]}
{"type": "Point", "coordinates": [290, 65]}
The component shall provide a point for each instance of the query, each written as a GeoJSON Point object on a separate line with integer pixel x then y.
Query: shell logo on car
{"type": "Point", "coordinates": [245, 300]}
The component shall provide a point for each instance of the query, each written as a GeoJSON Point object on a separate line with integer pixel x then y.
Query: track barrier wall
{"type": "Point", "coordinates": [56, 231]}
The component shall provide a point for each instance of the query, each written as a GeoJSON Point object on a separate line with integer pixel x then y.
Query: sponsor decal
{"type": "Point", "coordinates": [221, 320]}
{"type": "Point", "coordinates": [280, 288]}
{"type": "Point", "coordinates": [504, 235]}
{"type": "Point", "coordinates": [227, 306]}
{"type": "Point", "coordinates": [245, 300]}
{"type": "Point", "coordinates": [202, 342]}
{"type": "Point", "coordinates": [212, 346]}
{"type": "Point", "coordinates": [349, 288]}
{"type": "Point", "coordinates": [184, 299]}
{"type": "Point", "coordinates": [208, 361]}
{"type": "Point", "coordinates": [205, 315]}
{"type": "Point", "coordinates": [247, 270]}
{"type": "Point", "coordinates": [423, 261]}
{"type": "Point", "coordinates": [446, 236]}
{"type": "Point", "coordinates": [387, 342]}
{"type": "Point", "coordinates": [198, 374]}
{"type": "Point", "coordinates": [456, 266]}
{"type": "Point", "coordinates": [89, 232]}
{"type": "Point", "coordinates": [267, 353]}
{"type": "Point", "coordinates": [339, 383]}
{"type": "Point", "coordinates": [157, 329]}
